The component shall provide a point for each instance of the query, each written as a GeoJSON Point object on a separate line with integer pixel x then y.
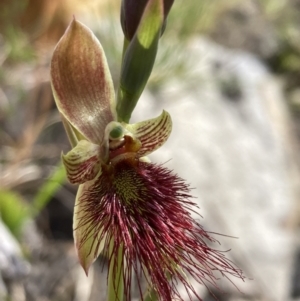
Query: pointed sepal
{"type": "Point", "coordinates": [152, 133]}
{"type": "Point", "coordinates": [89, 241]}
{"type": "Point", "coordinates": [82, 163]}
{"type": "Point", "coordinates": [81, 82]}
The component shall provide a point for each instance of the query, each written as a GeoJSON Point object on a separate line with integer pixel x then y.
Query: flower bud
{"type": "Point", "coordinates": [131, 14]}
{"type": "Point", "coordinates": [139, 59]}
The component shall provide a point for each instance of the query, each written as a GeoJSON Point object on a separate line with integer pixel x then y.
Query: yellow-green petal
{"type": "Point", "coordinates": [152, 133]}
{"type": "Point", "coordinates": [87, 238]}
{"type": "Point", "coordinates": [81, 82]}
{"type": "Point", "coordinates": [82, 163]}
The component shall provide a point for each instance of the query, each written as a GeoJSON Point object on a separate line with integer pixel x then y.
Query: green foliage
{"type": "Point", "coordinates": [198, 17]}
{"type": "Point", "coordinates": [13, 211]}
{"type": "Point", "coordinates": [17, 46]}
{"type": "Point", "coordinates": [49, 188]}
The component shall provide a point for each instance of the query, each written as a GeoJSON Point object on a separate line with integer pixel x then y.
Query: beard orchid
{"type": "Point", "coordinates": [125, 203]}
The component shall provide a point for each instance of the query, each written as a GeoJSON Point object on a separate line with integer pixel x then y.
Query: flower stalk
{"type": "Point", "coordinates": [139, 59]}
{"type": "Point", "coordinates": [115, 290]}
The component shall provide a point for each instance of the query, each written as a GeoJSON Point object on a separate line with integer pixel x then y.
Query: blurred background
{"type": "Point", "coordinates": [229, 74]}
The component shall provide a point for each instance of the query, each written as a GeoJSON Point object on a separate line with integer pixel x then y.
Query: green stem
{"type": "Point", "coordinates": [121, 116]}
{"type": "Point", "coordinates": [125, 45]}
{"type": "Point", "coordinates": [115, 275]}
{"type": "Point", "coordinates": [151, 295]}
{"type": "Point", "coordinates": [124, 111]}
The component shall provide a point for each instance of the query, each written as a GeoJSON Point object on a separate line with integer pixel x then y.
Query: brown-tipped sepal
{"type": "Point", "coordinates": [152, 133]}
{"type": "Point", "coordinates": [81, 82]}
{"type": "Point", "coordinates": [82, 162]}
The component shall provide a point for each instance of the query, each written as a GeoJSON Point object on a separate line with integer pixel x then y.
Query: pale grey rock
{"type": "Point", "coordinates": [3, 290]}
{"type": "Point", "coordinates": [12, 265]}
{"type": "Point", "coordinates": [246, 25]}
{"type": "Point", "coordinates": [230, 141]}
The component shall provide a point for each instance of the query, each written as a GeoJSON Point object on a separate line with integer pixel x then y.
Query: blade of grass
{"type": "Point", "coordinates": [48, 189]}
{"type": "Point", "coordinates": [13, 211]}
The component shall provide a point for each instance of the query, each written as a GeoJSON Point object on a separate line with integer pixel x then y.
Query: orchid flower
{"type": "Point", "coordinates": [125, 204]}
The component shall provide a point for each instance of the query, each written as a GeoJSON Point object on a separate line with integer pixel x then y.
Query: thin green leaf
{"type": "Point", "coordinates": [49, 188]}
{"type": "Point", "coordinates": [13, 211]}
